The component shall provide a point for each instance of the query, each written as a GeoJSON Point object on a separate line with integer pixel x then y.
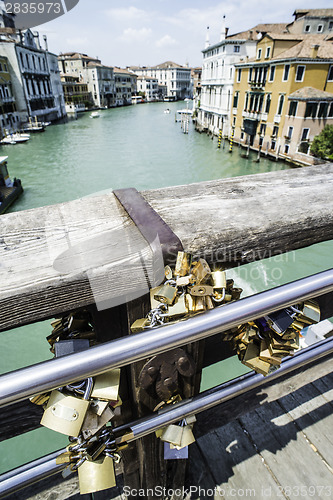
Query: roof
{"type": "Point", "coordinates": [259, 28]}
{"type": "Point", "coordinates": [309, 93]}
{"type": "Point", "coordinates": [313, 12]}
{"type": "Point", "coordinates": [123, 71]}
{"type": "Point", "coordinates": [168, 64]}
{"type": "Point", "coordinates": [78, 55]}
{"type": "Point", "coordinates": [286, 36]}
{"type": "Point", "coordinates": [304, 49]}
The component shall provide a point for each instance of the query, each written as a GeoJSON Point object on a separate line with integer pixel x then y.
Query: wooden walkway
{"type": "Point", "coordinates": [283, 450]}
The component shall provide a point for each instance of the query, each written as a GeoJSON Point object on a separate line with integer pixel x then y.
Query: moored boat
{"type": "Point", "coordinates": [95, 114]}
{"type": "Point", "coordinates": [15, 138]}
{"type": "Point", "coordinates": [9, 190]}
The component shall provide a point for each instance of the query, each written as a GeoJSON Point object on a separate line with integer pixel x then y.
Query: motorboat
{"type": "Point", "coordinates": [15, 138]}
{"type": "Point", "coordinates": [95, 114]}
{"type": "Point", "coordinates": [167, 111]}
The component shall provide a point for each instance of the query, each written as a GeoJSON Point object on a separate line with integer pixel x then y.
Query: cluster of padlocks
{"type": "Point", "coordinates": [192, 287]}
{"type": "Point", "coordinates": [83, 410]}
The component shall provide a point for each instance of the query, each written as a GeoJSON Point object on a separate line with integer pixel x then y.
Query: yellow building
{"type": "Point", "coordinates": [284, 64]}
{"type": "Point", "coordinates": [8, 114]}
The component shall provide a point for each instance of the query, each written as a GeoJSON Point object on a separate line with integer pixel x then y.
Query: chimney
{"type": "Point", "coordinates": [250, 35]}
{"type": "Point", "coordinates": [207, 44]}
{"type": "Point", "coordinates": [226, 32]}
{"type": "Point", "coordinates": [223, 30]}
{"type": "Point", "coordinates": [314, 51]}
{"type": "Point", "coordinates": [45, 42]}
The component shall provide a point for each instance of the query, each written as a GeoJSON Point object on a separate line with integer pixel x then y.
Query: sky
{"type": "Point", "coordinates": [148, 32]}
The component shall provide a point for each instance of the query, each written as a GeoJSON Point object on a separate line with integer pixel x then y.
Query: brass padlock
{"type": "Point", "coordinates": [310, 312]}
{"type": "Point", "coordinates": [201, 290]}
{"type": "Point", "coordinates": [93, 422]}
{"type": "Point", "coordinates": [183, 264]}
{"type": "Point", "coordinates": [252, 360]}
{"type": "Point", "coordinates": [187, 437]}
{"type": "Point", "coordinates": [166, 294]}
{"type": "Point", "coordinates": [168, 272]}
{"type": "Point", "coordinates": [172, 434]}
{"type": "Point", "coordinates": [179, 308]}
{"type": "Point", "coordinates": [219, 280]}
{"type": "Point", "coordinates": [106, 386]}
{"type": "Point", "coordinates": [96, 476]}
{"type": "Point", "coordinates": [65, 414]}
{"type": "Point", "coordinates": [139, 325]}
{"type": "Point", "coordinates": [200, 271]}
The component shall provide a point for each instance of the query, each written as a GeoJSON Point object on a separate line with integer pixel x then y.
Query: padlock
{"type": "Point", "coordinates": [279, 321]}
{"type": "Point", "coordinates": [179, 308]}
{"type": "Point", "coordinates": [251, 359]}
{"type": "Point", "coordinates": [172, 434]}
{"type": "Point", "coordinates": [199, 304]}
{"type": "Point", "coordinates": [183, 264]}
{"type": "Point", "coordinates": [65, 414]}
{"type": "Point", "coordinates": [96, 476]}
{"type": "Point", "coordinates": [98, 406]}
{"type": "Point", "coordinates": [187, 437]}
{"type": "Point", "coordinates": [168, 272]}
{"type": "Point", "coordinates": [200, 271]}
{"type": "Point", "coordinates": [173, 453]}
{"type": "Point", "coordinates": [166, 294]}
{"type": "Point", "coordinates": [183, 281]}
{"type": "Point", "coordinates": [219, 280]}
{"type": "Point", "coordinates": [106, 385]}
{"type": "Point", "coordinates": [201, 290]}
{"type": "Point", "coordinates": [140, 325]}
{"type": "Point", "coordinates": [265, 355]}
{"type": "Point", "coordinates": [310, 312]}
{"type": "Point", "coordinates": [93, 422]}
{"type": "Point", "coordinates": [40, 399]}
{"type": "Point", "coordinates": [209, 303]}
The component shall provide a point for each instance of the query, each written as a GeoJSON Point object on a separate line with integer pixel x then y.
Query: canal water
{"type": "Point", "coordinates": [143, 147]}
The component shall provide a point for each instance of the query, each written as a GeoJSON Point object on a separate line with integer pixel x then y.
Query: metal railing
{"type": "Point", "coordinates": [21, 384]}
{"type": "Point", "coordinates": [46, 466]}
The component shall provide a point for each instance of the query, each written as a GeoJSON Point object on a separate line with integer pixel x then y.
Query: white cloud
{"type": "Point", "coordinates": [166, 41]}
{"type": "Point", "coordinates": [136, 35]}
{"type": "Point", "coordinates": [130, 14]}
{"type": "Point", "coordinates": [76, 41]}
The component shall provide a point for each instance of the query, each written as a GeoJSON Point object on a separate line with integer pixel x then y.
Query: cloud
{"type": "Point", "coordinates": [136, 35]}
{"type": "Point", "coordinates": [130, 14]}
{"type": "Point", "coordinates": [166, 41]}
{"type": "Point", "coordinates": [76, 41]}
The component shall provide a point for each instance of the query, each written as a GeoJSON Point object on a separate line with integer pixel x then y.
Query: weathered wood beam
{"type": "Point", "coordinates": [227, 221]}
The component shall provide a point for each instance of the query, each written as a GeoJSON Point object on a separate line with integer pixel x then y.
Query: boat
{"type": "Point", "coordinates": [95, 114]}
{"type": "Point", "coordinates": [167, 111]}
{"type": "Point", "coordinates": [15, 138]}
{"type": "Point", "coordinates": [9, 190]}
{"type": "Point", "coordinates": [35, 126]}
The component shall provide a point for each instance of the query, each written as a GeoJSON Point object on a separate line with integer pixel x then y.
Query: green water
{"type": "Point", "coordinates": [142, 147]}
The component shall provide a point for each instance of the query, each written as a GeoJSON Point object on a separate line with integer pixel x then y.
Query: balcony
{"type": "Point", "coordinates": [252, 115]}
{"type": "Point", "coordinates": [257, 85]}
{"type": "Point", "coordinates": [277, 118]}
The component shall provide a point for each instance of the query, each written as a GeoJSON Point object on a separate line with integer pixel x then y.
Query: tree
{"type": "Point", "coordinates": [322, 145]}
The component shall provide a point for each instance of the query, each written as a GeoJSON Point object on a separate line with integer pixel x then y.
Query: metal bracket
{"type": "Point", "coordinates": [149, 223]}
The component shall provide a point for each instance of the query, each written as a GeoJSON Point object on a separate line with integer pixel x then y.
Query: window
{"type": "Point", "coordinates": [275, 131]}
{"type": "Point", "coordinates": [330, 74]}
{"type": "Point", "coordinates": [268, 103]}
{"type": "Point", "coordinates": [286, 149]}
{"type": "Point", "coordinates": [259, 54]}
{"type": "Point", "coordinates": [239, 75]}
{"type": "Point", "coordinates": [271, 74]}
{"type": "Point", "coordinates": [236, 99]}
{"type": "Point", "coordinates": [300, 73]}
{"type": "Point", "coordinates": [330, 25]}
{"type": "Point", "coordinates": [305, 134]}
{"type": "Point", "coordinates": [280, 105]}
{"type": "Point", "coordinates": [268, 52]}
{"type": "Point", "coordinates": [261, 141]}
{"type": "Point", "coordinates": [330, 113]}
{"type": "Point", "coordinates": [323, 109]}
{"type": "Point", "coordinates": [286, 73]}
{"type": "Point", "coordinates": [307, 28]}
{"type": "Point", "coordinates": [262, 129]}
{"type": "Point", "coordinates": [293, 108]}
{"type": "Point", "coordinates": [273, 144]}
{"type": "Point", "coordinates": [242, 136]}
{"type": "Point", "coordinates": [290, 132]}
{"type": "Point", "coordinates": [320, 28]}
{"type": "Point", "coordinates": [311, 110]}
{"type": "Point", "coordinates": [236, 48]}
{"type": "Point", "coordinates": [250, 75]}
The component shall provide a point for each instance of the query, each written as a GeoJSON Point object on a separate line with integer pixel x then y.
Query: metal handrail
{"type": "Point", "coordinates": [33, 472]}
{"type": "Point", "coordinates": [42, 377]}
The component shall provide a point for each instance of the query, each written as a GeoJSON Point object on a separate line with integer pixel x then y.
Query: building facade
{"type": "Point", "coordinates": [149, 87]}
{"type": "Point", "coordinates": [312, 22]}
{"type": "Point", "coordinates": [76, 92]}
{"type": "Point", "coordinates": [174, 77]}
{"type": "Point", "coordinates": [284, 64]}
{"type": "Point", "coordinates": [126, 86]}
{"type": "Point", "coordinates": [10, 118]}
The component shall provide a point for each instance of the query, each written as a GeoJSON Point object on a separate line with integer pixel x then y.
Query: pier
{"type": "Point", "coordinates": [228, 222]}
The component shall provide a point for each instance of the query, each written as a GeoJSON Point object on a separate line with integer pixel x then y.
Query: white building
{"type": "Point", "coordinates": [126, 87]}
{"type": "Point", "coordinates": [35, 79]}
{"type": "Point", "coordinates": [148, 86]}
{"type": "Point", "coordinates": [176, 78]}
{"type": "Point", "coordinates": [218, 73]}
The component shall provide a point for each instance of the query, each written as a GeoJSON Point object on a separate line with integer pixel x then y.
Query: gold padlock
{"type": "Point", "coordinates": [93, 422]}
{"type": "Point", "coordinates": [251, 359]}
{"type": "Point", "coordinates": [166, 294]}
{"type": "Point", "coordinates": [201, 290]}
{"type": "Point", "coordinates": [219, 280]}
{"type": "Point", "coordinates": [183, 264]}
{"type": "Point", "coordinates": [172, 434]}
{"type": "Point", "coordinates": [200, 271]}
{"type": "Point", "coordinates": [310, 312]}
{"type": "Point", "coordinates": [139, 325]}
{"type": "Point", "coordinates": [96, 476]}
{"type": "Point", "coordinates": [65, 414]}
{"type": "Point", "coordinates": [179, 308]}
{"type": "Point", "coordinates": [106, 386]}
{"type": "Point", "coordinates": [187, 437]}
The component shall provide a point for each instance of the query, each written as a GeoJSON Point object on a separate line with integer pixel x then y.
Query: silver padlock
{"type": "Point", "coordinates": [96, 476]}
{"type": "Point", "coordinates": [65, 414]}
